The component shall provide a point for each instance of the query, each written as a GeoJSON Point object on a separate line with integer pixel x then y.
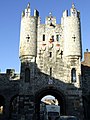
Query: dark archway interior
{"type": "Point", "coordinates": [54, 92]}
{"type": "Point", "coordinates": [2, 104]}
{"type": "Point", "coordinates": [13, 106]}
{"type": "Point", "coordinates": [1, 100]}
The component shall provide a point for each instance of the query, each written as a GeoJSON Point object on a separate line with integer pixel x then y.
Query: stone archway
{"type": "Point", "coordinates": [13, 106]}
{"type": "Point", "coordinates": [2, 104]}
{"type": "Point", "coordinates": [54, 92]}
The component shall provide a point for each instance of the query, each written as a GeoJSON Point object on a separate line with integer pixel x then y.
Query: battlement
{"type": "Point", "coordinates": [73, 12]}
{"type": "Point", "coordinates": [27, 12]}
{"type": "Point", "coordinates": [50, 20]}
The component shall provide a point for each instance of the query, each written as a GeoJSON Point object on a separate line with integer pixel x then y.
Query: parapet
{"type": "Point", "coordinates": [50, 20]}
{"type": "Point", "coordinates": [10, 72]}
{"type": "Point", "coordinates": [27, 12]}
{"type": "Point", "coordinates": [73, 12]}
{"type": "Point", "coordinates": [65, 13]}
{"type": "Point", "coordinates": [36, 13]}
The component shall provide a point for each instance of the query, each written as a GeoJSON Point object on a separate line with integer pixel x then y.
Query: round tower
{"type": "Point", "coordinates": [28, 35]}
{"type": "Point", "coordinates": [72, 33]}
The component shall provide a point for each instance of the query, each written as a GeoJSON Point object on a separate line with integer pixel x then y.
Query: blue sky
{"type": "Point", "coordinates": [10, 16]}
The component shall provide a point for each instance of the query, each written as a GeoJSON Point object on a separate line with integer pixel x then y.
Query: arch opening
{"type": "Point", "coordinates": [2, 104]}
{"type": "Point", "coordinates": [58, 97]}
{"type": "Point", "coordinates": [14, 106]}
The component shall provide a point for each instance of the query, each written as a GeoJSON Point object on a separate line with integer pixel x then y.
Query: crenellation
{"type": "Point", "coordinates": [50, 20]}
{"type": "Point", "coordinates": [23, 14]}
{"type": "Point", "coordinates": [78, 14]}
{"type": "Point", "coordinates": [65, 13]}
{"type": "Point", "coordinates": [50, 56]}
{"type": "Point", "coordinates": [73, 11]}
{"type": "Point", "coordinates": [36, 13]}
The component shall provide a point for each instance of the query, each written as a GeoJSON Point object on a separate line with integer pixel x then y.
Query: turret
{"type": "Point", "coordinates": [28, 35]}
{"type": "Point", "coordinates": [72, 33]}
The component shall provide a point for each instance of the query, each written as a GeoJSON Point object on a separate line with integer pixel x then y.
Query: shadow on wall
{"type": "Point", "coordinates": [26, 93]}
{"type": "Point", "coordinates": [86, 90]}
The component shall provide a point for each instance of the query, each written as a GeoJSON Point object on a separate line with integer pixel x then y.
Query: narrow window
{"type": "Point", "coordinates": [53, 38]}
{"type": "Point", "coordinates": [50, 71]}
{"type": "Point", "coordinates": [57, 38]}
{"type": "Point", "coordinates": [27, 75]}
{"type": "Point", "coordinates": [73, 75]}
{"type": "Point", "coordinates": [50, 54]}
{"type": "Point", "coordinates": [43, 37]}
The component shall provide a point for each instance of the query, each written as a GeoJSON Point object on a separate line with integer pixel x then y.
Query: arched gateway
{"type": "Point", "coordinates": [50, 56]}
{"type": "Point", "coordinates": [49, 53]}
{"type": "Point", "coordinates": [54, 92]}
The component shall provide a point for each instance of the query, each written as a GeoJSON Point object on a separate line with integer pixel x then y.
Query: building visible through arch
{"type": "Point", "coordinates": [50, 56]}
{"type": "Point", "coordinates": [54, 92]}
{"type": "Point", "coordinates": [2, 104]}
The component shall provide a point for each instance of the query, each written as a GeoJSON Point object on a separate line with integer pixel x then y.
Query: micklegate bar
{"type": "Point", "coordinates": [50, 56]}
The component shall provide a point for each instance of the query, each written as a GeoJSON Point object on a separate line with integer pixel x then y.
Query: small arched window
{"type": "Point", "coordinates": [73, 75]}
{"type": "Point", "coordinates": [27, 75]}
{"type": "Point", "coordinates": [50, 71]}
{"type": "Point", "coordinates": [57, 38]}
{"type": "Point", "coordinates": [43, 37]}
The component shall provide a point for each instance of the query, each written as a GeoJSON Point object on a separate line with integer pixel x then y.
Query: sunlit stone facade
{"type": "Point", "coordinates": [50, 56]}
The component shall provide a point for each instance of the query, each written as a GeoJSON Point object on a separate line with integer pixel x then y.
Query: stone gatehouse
{"type": "Point", "coordinates": [50, 56]}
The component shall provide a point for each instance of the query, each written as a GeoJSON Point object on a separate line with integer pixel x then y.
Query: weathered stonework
{"type": "Point", "coordinates": [50, 56]}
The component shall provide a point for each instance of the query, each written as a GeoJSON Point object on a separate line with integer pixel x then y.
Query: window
{"type": "Point", "coordinates": [50, 54]}
{"type": "Point", "coordinates": [73, 75]}
{"type": "Point", "coordinates": [27, 75]}
{"type": "Point", "coordinates": [43, 37]}
{"type": "Point", "coordinates": [50, 71]}
{"type": "Point", "coordinates": [52, 37]}
{"type": "Point", "coordinates": [57, 38]}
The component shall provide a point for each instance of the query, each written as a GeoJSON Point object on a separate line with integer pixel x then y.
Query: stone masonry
{"type": "Point", "coordinates": [50, 56]}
